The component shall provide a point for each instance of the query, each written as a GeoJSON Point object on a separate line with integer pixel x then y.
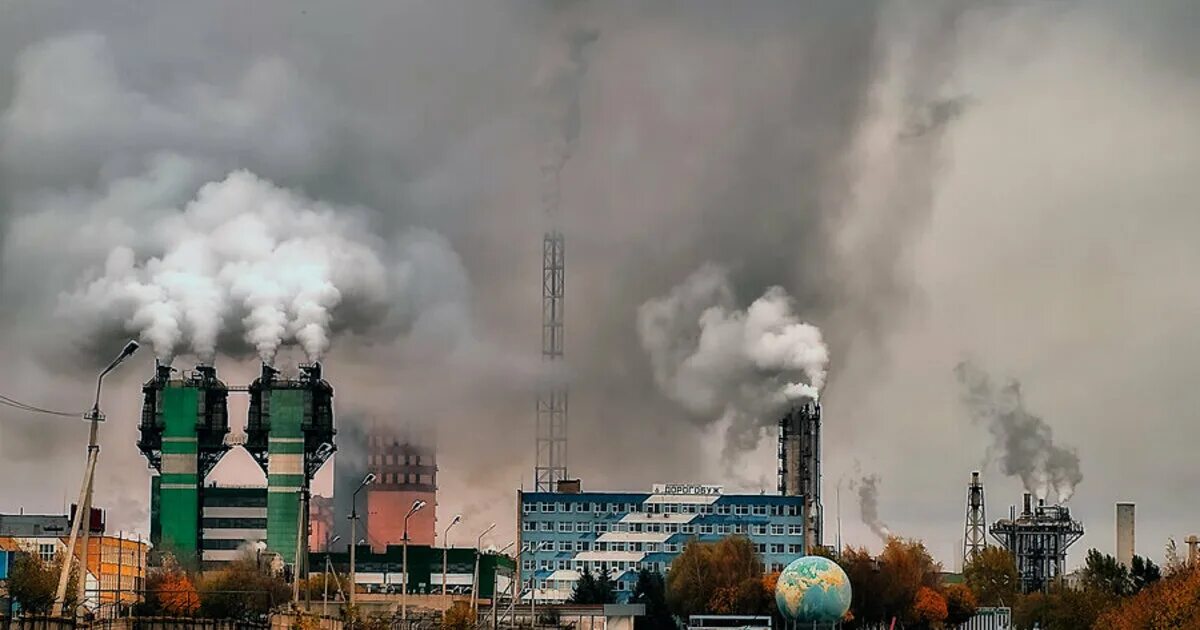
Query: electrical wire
{"type": "Point", "coordinates": [16, 404]}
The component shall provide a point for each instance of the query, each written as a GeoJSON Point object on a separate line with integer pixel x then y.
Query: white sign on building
{"type": "Point", "coordinates": [686, 488]}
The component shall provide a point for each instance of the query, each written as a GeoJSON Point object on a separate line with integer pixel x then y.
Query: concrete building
{"type": "Point", "coordinates": [1125, 540]}
{"type": "Point", "coordinates": [320, 523]}
{"type": "Point", "coordinates": [116, 563]}
{"type": "Point", "coordinates": [234, 522]}
{"type": "Point", "coordinates": [405, 471]}
{"type": "Point", "coordinates": [562, 534]}
{"type": "Point", "coordinates": [383, 572]}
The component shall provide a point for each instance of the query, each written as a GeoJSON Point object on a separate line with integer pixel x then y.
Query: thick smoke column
{"type": "Point", "coordinates": [721, 362]}
{"type": "Point", "coordinates": [558, 85]}
{"type": "Point", "coordinates": [249, 257]}
{"type": "Point", "coordinates": [867, 488]}
{"type": "Point", "coordinates": [1025, 441]}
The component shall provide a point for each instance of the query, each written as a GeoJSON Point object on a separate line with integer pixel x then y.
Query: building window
{"type": "Point", "coordinates": [760, 510]}
{"type": "Point", "coordinates": [776, 548]}
{"type": "Point", "coordinates": [739, 528]}
{"type": "Point", "coordinates": [689, 529]}
{"type": "Point", "coordinates": [620, 585]}
{"type": "Point", "coordinates": [688, 508]}
{"type": "Point", "coordinates": [761, 548]}
{"type": "Point", "coordinates": [653, 528]}
{"type": "Point", "coordinates": [672, 508]}
{"type": "Point", "coordinates": [706, 529]}
{"type": "Point", "coordinates": [617, 546]}
{"type": "Point", "coordinates": [565, 545]}
{"type": "Point", "coordinates": [527, 565]}
{"type": "Point", "coordinates": [583, 527]}
{"type": "Point", "coordinates": [670, 548]}
{"type": "Point", "coordinates": [580, 546]}
{"type": "Point", "coordinates": [566, 527]}
{"type": "Point", "coordinates": [777, 530]}
{"type": "Point", "coordinates": [547, 507]}
{"type": "Point", "coordinates": [795, 530]}
{"type": "Point", "coordinates": [635, 507]}
{"type": "Point", "coordinates": [706, 509]}
{"type": "Point", "coordinates": [526, 507]}
{"type": "Point", "coordinates": [615, 508]}
{"type": "Point", "coordinates": [671, 528]}
{"type": "Point", "coordinates": [544, 565]}
{"type": "Point", "coordinates": [759, 530]}
{"type": "Point", "coordinates": [547, 526]}
{"type": "Point", "coordinates": [740, 510]}
{"type": "Point", "coordinates": [580, 507]}
{"type": "Point", "coordinates": [528, 526]}
{"type": "Point", "coordinates": [723, 509]}
{"type": "Point", "coordinates": [651, 547]}
{"type": "Point", "coordinates": [723, 529]}
{"type": "Point", "coordinates": [601, 546]}
{"type": "Point", "coordinates": [793, 549]}
{"type": "Point", "coordinates": [46, 552]}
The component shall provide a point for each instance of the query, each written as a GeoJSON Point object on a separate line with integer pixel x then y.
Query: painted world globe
{"type": "Point", "coordinates": [813, 589]}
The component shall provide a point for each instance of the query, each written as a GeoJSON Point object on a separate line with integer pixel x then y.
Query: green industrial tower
{"type": "Point", "coordinates": [289, 432]}
{"type": "Point", "coordinates": [182, 435]}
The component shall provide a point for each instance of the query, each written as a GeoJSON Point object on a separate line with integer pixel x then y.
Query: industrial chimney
{"type": "Point", "coordinates": [800, 465]}
{"type": "Point", "coordinates": [1125, 541]}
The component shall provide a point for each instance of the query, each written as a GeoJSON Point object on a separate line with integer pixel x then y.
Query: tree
{"type": "Point", "coordinates": [1104, 574]}
{"type": "Point", "coordinates": [991, 575]}
{"type": "Point", "coordinates": [242, 590]}
{"type": "Point", "coordinates": [458, 617]}
{"type": "Point", "coordinates": [33, 583]}
{"type": "Point", "coordinates": [651, 590]}
{"type": "Point", "coordinates": [1172, 602]}
{"type": "Point", "coordinates": [865, 585]}
{"type": "Point", "coordinates": [593, 589]}
{"type": "Point", "coordinates": [905, 566]}
{"type": "Point", "coordinates": [177, 595]}
{"type": "Point", "coordinates": [960, 604]}
{"type": "Point", "coordinates": [725, 576]}
{"type": "Point", "coordinates": [1143, 573]}
{"type": "Point", "coordinates": [928, 609]}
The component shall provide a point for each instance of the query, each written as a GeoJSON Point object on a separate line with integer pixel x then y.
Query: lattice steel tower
{"type": "Point", "coordinates": [975, 534]}
{"type": "Point", "coordinates": [552, 396]}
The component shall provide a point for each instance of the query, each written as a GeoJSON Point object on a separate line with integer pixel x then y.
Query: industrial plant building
{"type": "Point", "coordinates": [185, 421]}
{"type": "Point", "coordinates": [383, 572]}
{"type": "Point", "coordinates": [405, 472]}
{"type": "Point", "coordinates": [563, 534]}
{"type": "Point", "coordinates": [1038, 538]}
{"type": "Point", "coordinates": [116, 563]}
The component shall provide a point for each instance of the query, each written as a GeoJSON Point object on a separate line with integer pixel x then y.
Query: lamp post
{"type": "Point", "coordinates": [475, 577]}
{"type": "Point", "coordinates": [446, 545]}
{"type": "Point", "coordinates": [353, 523]}
{"type": "Point", "coordinates": [416, 507]}
{"type": "Point", "coordinates": [496, 584]}
{"type": "Point", "coordinates": [83, 508]}
{"type": "Point", "coordinates": [325, 581]}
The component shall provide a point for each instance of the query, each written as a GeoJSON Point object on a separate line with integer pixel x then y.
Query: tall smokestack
{"type": "Point", "coordinates": [800, 465]}
{"type": "Point", "coordinates": [1125, 540]}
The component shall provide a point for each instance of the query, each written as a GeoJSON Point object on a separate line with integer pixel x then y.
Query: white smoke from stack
{"type": "Point", "coordinates": [558, 86]}
{"type": "Point", "coordinates": [246, 252]}
{"type": "Point", "coordinates": [726, 364]}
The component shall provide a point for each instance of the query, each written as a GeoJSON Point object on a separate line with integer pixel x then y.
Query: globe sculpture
{"type": "Point", "coordinates": [813, 590]}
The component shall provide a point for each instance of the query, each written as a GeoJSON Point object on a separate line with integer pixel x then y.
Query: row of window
{"type": "Point", "coordinates": [566, 585]}
{"type": "Point", "coordinates": [580, 546]}
{"type": "Point", "coordinates": [234, 523]}
{"type": "Point", "coordinates": [567, 527]}
{"type": "Point", "coordinates": [394, 460]}
{"type": "Point", "coordinates": [663, 508]}
{"type": "Point", "coordinates": [593, 566]}
{"type": "Point", "coordinates": [411, 478]}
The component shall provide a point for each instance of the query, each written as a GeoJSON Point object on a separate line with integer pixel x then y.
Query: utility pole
{"type": "Point", "coordinates": [85, 489]}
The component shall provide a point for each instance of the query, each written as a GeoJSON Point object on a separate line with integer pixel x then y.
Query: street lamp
{"type": "Point", "coordinates": [416, 507]}
{"type": "Point", "coordinates": [353, 522]}
{"type": "Point", "coordinates": [446, 545]}
{"type": "Point", "coordinates": [83, 508]}
{"type": "Point", "coordinates": [475, 577]}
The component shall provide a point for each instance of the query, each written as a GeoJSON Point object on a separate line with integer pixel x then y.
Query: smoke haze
{"type": "Point", "coordinates": [867, 488]}
{"type": "Point", "coordinates": [1010, 181]}
{"type": "Point", "coordinates": [1024, 441]}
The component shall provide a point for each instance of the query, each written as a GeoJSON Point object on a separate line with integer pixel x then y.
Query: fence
{"type": "Point", "coordinates": [132, 623]}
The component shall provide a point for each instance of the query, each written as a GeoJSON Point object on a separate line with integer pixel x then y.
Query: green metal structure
{"type": "Point", "coordinates": [289, 432]}
{"type": "Point", "coordinates": [182, 436]}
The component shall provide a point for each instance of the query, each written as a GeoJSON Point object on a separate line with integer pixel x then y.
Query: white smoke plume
{"type": "Point", "coordinates": [867, 488]}
{"type": "Point", "coordinates": [1025, 441]}
{"type": "Point", "coordinates": [245, 256]}
{"type": "Point", "coordinates": [724, 363]}
{"type": "Point", "coordinates": [558, 86]}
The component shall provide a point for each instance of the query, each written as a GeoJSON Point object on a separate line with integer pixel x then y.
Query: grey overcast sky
{"type": "Point", "coordinates": [1013, 183]}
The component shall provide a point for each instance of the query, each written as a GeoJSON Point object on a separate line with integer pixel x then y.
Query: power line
{"type": "Point", "coordinates": [16, 404]}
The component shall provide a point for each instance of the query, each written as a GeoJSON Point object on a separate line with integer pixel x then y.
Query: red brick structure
{"type": "Point", "coordinates": [405, 471]}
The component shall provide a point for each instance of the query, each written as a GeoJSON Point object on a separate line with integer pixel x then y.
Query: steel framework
{"type": "Point", "coordinates": [551, 466]}
{"type": "Point", "coordinates": [975, 532]}
{"type": "Point", "coordinates": [1038, 539]}
{"type": "Point", "coordinates": [800, 465]}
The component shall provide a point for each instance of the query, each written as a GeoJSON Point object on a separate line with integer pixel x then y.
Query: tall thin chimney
{"type": "Point", "coordinates": [1125, 539]}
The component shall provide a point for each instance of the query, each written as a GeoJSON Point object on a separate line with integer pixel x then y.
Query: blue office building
{"type": "Point", "coordinates": [562, 534]}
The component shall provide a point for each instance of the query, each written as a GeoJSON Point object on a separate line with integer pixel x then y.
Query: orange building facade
{"type": "Point", "coordinates": [405, 472]}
